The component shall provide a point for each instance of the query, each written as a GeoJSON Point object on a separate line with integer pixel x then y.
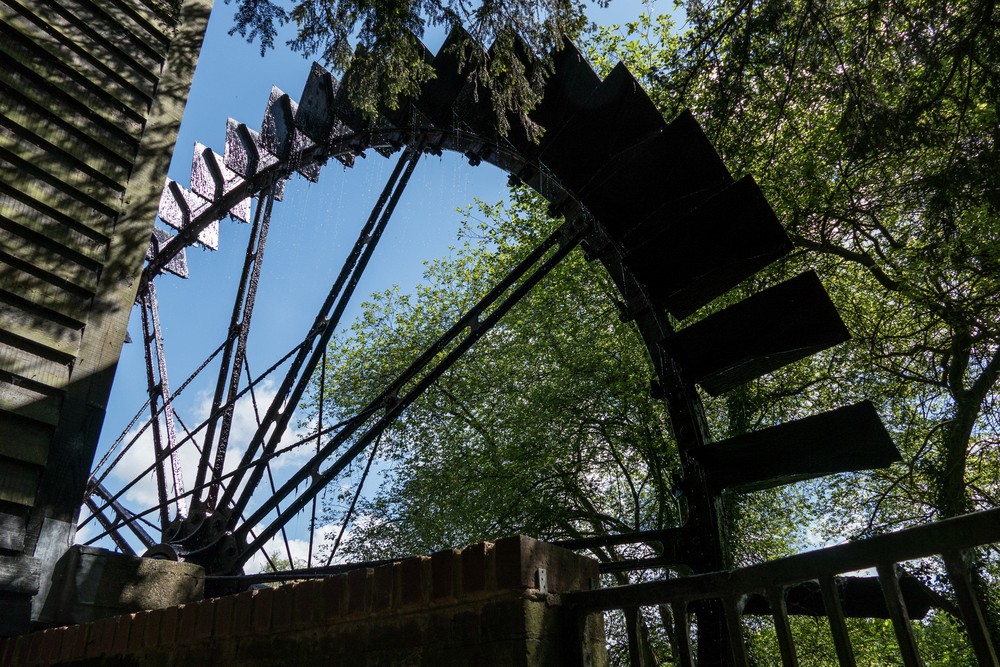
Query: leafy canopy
{"type": "Point", "coordinates": [389, 63]}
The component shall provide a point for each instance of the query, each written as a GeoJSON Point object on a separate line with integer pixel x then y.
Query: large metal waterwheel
{"type": "Point", "coordinates": [649, 199]}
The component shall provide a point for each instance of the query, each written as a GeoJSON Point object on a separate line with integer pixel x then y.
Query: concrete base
{"type": "Point", "coordinates": [91, 583]}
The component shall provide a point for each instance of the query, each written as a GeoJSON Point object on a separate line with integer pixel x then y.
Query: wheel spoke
{"type": "Point", "coordinates": [319, 429]}
{"type": "Point", "coordinates": [109, 527]}
{"type": "Point", "coordinates": [567, 237]}
{"type": "Point", "coordinates": [145, 425]}
{"type": "Point", "coordinates": [238, 328]}
{"type": "Point", "coordinates": [160, 458]}
{"type": "Point", "coordinates": [152, 387]}
{"type": "Point", "coordinates": [354, 501]}
{"type": "Point", "coordinates": [323, 328]}
{"type": "Point", "coordinates": [122, 517]}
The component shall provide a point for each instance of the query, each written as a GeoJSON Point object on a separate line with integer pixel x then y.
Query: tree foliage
{"type": "Point", "coordinates": [873, 129]}
{"type": "Point", "coordinates": [546, 426]}
{"type": "Point", "coordinates": [389, 62]}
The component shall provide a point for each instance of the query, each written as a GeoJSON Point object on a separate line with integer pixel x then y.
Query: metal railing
{"type": "Point", "coordinates": [948, 539]}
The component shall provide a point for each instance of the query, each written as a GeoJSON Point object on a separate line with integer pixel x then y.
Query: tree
{"type": "Point", "coordinates": [873, 130]}
{"type": "Point", "coordinates": [546, 426]}
{"type": "Point", "coordinates": [389, 63]}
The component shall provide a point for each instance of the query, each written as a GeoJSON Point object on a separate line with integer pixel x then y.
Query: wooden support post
{"type": "Point", "coordinates": [779, 611]}
{"type": "Point", "coordinates": [838, 627]}
{"type": "Point", "coordinates": [957, 565]}
{"type": "Point", "coordinates": [889, 580]}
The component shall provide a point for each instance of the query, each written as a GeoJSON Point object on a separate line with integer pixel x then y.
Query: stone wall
{"type": "Point", "coordinates": [487, 604]}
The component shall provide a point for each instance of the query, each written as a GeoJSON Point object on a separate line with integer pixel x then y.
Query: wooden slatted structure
{"type": "Point", "coordinates": [91, 95]}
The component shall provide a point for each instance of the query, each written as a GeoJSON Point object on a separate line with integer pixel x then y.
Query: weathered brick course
{"type": "Point", "coordinates": [476, 606]}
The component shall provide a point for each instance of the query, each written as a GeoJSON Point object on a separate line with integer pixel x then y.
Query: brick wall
{"type": "Point", "coordinates": [481, 605]}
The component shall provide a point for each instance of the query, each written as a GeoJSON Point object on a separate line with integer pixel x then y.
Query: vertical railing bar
{"type": "Point", "coordinates": [957, 565]}
{"type": "Point", "coordinates": [733, 607]}
{"type": "Point", "coordinates": [783, 629]}
{"type": "Point", "coordinates": [889, 581]}
{"type": "Point", "coordinates": [682, 634]}
{"type": "Point", "coordinates": [632, 629]}
{"type": "Point", "coordinates": [838, 626]}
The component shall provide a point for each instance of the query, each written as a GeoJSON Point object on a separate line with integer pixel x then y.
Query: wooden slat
{"type": "Point", "coordinates": [49, 199]}
{"type": "Point", "coordinates": [25, 363]}
{"type": "Point", "coordinates": [617, 117]}
{"type": "Point", "coordinates": [571, 83]}
{"type": "Point", "coordinates": [37, 234]}
{"type": "Point", "coordinates": [782, 628]}
{"type": "Point", "coordinates": [439, 93]}
{"type": "Point", "coordinates": [96, 45]}
{"type": "Point", "coordinates": [25, 54]}
{"type": "Point", "coordinates": [143, 21]}
{"type": "Point", "coordinates": [62, 141]}
{"type": "Point", "coordinates": [782, 324]}
{"type": "Point", "coordinates": [838, 626]}
{"type": "Point", "coordinates": [49, 303]}
{"type": "Point", "coordinates": [36, 163]}
{"type": "Point", "coordinates": [843, 440]}
{"type": "Point", "coordinates": [54, 291]}
{"type": "Point", "coordinates": [35, 332]}
{"type": "Point", "coordinates": [157, 16]}
{"type": "Point", "coordinates": [110, 34]}
{"type": "Point", "coordinates": [18, 481]}
{"type": "Point", "coordinates": [957, 565]}
{"type": "Point", "coordinates": [51, 300]}
{"type": "Point", "coordinates": [888, 577]}
{"type": "Point", "coordinates": [20, 398]}
{"type": "Point", "coordinates": [53, 43]}
{"type": "Point", "coordinates": [66, 103]}
{"type": "Point", "coordinates": [687, 261]}
{"type": "Point", "coordinates": [25, 441]}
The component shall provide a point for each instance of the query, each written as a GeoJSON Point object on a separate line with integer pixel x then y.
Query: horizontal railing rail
{"type": "Point", "coordinates": [949, 539]}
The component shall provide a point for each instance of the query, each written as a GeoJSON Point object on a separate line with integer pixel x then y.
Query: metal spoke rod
{"type": "Point", "coordinates": [151, 387]}
{"type": "Point", "coordinates": [109, 527]}
{"type": "Point", "coordinates": [257, 462]}
{"type": "Point", "coordinates": [123, 516]}
{"type": "Point", "coordinates": [340, 294]}
{"type": "Point", "coordinates": [158, 460]}
{"type": "Point", "coordinates": [237, 328]}
{"type": "Point", "coordinates": [568, 235]}
{"type": "Point", "coordinates": [164, 396]}
{"type": "Point", "coordinates": [145, 425]}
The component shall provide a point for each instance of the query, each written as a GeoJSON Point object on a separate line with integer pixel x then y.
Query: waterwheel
{"type": "Point", "coordinates": [649, 199]}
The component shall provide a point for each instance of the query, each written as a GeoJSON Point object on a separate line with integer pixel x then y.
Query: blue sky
{"type": "Point", "coordinates": [311, 231]}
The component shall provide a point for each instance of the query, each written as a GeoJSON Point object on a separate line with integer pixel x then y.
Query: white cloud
{"type": "Point", "coordinates": [140, 456]}
{"type": "Point", "coordinates": [275, 547]}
